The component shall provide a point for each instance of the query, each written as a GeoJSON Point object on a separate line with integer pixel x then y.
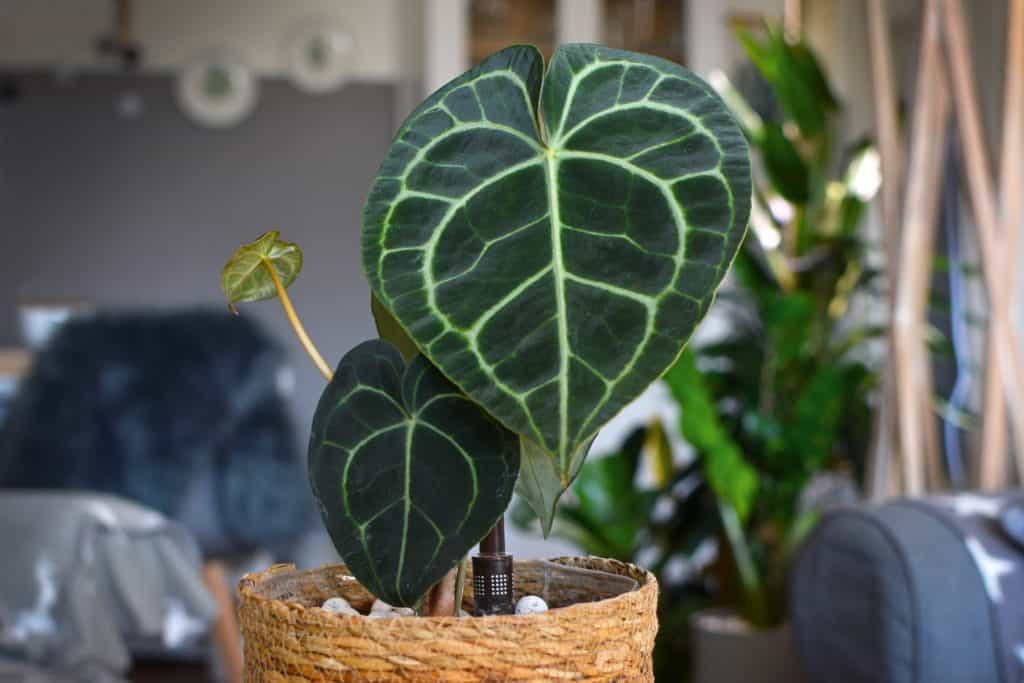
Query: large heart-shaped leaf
{"type": "Point", "coordinates": [550, 241]}
{"type": "Point", "coordinates": [409, 474]}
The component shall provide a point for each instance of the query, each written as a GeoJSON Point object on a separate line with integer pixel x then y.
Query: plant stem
{"type": "Point", "coordinates": [494, 542]}
{"type": "Point", "coordinates": [440, 600]}
{"type": "Point", "coordinates": [300, 330]}
{"type": "Point", "coordinates": [745, 566]}
{"type": "Point", "coordinates": [460, 586]}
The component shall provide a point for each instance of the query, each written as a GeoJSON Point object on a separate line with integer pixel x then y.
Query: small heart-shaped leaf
{"type": "Point", "coordinates": [409, 474]}
{"type": "Point", "coordinates": [246, 275]}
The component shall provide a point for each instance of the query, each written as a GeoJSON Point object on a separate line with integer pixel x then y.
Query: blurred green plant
{"type": "Point", "coordinates": [786, 392]}
{"type": "Point", "coordinates": [661, 523]}
{"type": "Point", "coordinates": [783, 395]}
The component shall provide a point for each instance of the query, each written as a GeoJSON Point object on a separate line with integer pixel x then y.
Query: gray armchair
{"type": "Point", "coordinates": [90, 579]}
{"type": "Point", "coordinates": [925, 591]}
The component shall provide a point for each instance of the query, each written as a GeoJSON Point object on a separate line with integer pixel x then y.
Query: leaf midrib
{"type": "Point", "coordinates": [406, 507]}
{"type": "Point", "coordinates": [558, 273]}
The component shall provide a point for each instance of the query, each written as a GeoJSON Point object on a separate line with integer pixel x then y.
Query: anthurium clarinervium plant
{"type": "Point", "coordinates": [540, 244]}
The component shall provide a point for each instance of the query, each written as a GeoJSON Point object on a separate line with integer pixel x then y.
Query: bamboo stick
{"type": "Point", "coordinates": [993, 470]}
{"type": "Point", "coordinates": [890, 145]}
{"type": "Point", "coordinates": [792, 19]}
{"type": "Point", "coordinates": [992, 463]}
{"type": "Point", "coordinates": [929, 199]}
{"type": "Point", "coordinates": [930, 115]}
{"type": "Point", "coordinates": [1003, 338]}
{"type": "Point", "coordinates": [881, 480]}
{"type": "Point", "coordinates": [935, 470]}
{"type": "Point", "coordinates": [925, 382]}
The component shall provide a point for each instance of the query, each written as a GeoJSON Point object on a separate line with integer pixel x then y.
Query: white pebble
{"type": "Point", "coordinates": [335, 604]}
{"type": "Point", "coordinates": [531, 604]}
{"type": "Point", "coordinates": [382, 610]}
{"type": "Point", "coordinates": [339, 606]}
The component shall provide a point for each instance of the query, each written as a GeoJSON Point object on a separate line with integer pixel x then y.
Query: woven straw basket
{"type": "Point", "coordinates": [289, 639]}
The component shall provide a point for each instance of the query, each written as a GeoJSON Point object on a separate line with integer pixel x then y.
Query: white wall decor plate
{"type": "Point", "coordinates": [217, 90]}
{"type": "Point", "coordinates": [318, 57]}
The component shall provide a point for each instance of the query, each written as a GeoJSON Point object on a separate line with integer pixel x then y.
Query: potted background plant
{"type": "Point", "coordinates": [540, 244]}
{"type": "Point", "coordinates": [783, 397]}
{"type": "Point", "coordinates": [641, 505]}
{"type": "Point", "coordinates": [786, 393]}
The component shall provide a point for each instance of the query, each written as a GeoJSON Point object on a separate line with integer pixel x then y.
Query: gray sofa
{"type": "Point", "coordinates": [89, 580]}
{"type": "Point", "coordinates": [924, 591]}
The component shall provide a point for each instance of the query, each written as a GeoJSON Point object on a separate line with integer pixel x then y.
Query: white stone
{"type": "Point", "coordinates": [531, 604]}
{"type": "Point", "coordinates": [380, 606]}
{"type": "Point", "coordinates": [339, 606]}
{"type": "Point", "coordinates": [335, 604]}
{"type": "Point", "coordinates": [381, 609]}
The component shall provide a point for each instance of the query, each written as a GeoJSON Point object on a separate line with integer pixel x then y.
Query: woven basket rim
{"type": "Point", "coordinates": [249, 584]}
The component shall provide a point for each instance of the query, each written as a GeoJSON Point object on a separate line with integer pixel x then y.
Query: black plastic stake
{"type": "Point", "coordinates": [493, 581]}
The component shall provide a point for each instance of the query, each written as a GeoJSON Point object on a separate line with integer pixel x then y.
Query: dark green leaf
{"type": "Point", "coordinates": [851, 213]}
{"type": "Point", "coordinates": [789, 317]}
{"type": "Point", "coordinates": [409, 474]}
{"type": "Point", "coordinates": [604, 485]}
{"type": "Point", "coordinates": [607, 495]}
{"type": "Point", "coordinates": [818, 412]}
{"type": "Point", "coordinates": [766, 431]}
{"type": "Point", "coordinates": [550, 241]}
{"type": "Point", "coordinates": [787, 171]}
{"type": "Point", "coordinates": [793, 78]}
{"type": "Point", "coordinates": [805, 65]}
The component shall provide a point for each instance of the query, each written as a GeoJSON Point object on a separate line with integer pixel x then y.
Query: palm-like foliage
{"type": "Point", "coordinates": [658, 525]}
{"type": "Point", "coordinates": [786, 392]}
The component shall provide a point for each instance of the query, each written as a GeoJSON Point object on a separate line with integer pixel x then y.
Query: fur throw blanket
{"type": "Point", "coordinates": [181, 412]}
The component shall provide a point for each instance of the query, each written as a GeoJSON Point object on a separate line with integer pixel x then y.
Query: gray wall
{"type": "Point", "coordinates": [144, 213]}
{"type": "Point", "coordinates": [140, 213]}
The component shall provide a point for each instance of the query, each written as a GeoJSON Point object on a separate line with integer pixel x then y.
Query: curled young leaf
{"type": "Point", "coordinates": [541, 483]}
{"type": "Point", "coordinates": [409, 474]}
{"type": "Point", "coordinates": [551, 240]}
{"type": "Point", "coordinates": [246, 275]}
{"type": "Point", "coordinates": [389, 330]}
